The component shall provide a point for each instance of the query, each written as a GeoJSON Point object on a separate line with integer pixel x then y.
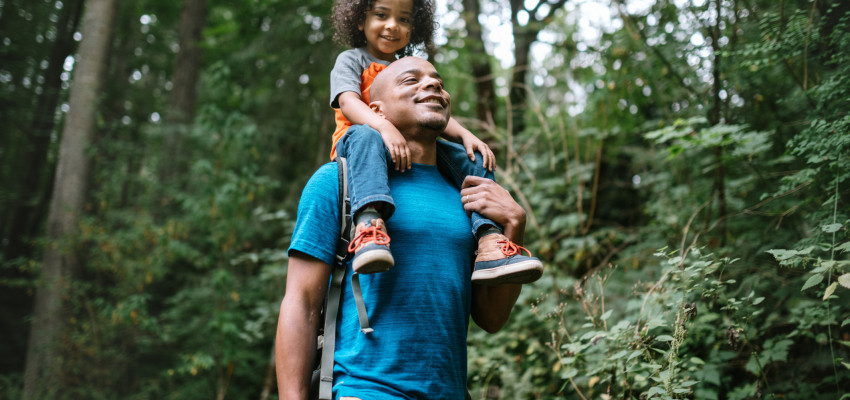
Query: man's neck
{"type": "Point", "coordinates": [423, 153]}
{"type": "Point", "coordinates": [422, 143]}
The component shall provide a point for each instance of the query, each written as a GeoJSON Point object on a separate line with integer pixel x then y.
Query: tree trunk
{"type": "Point", "coordinates": [714, 119]}
{"type": "Point", "coordinates": [66, 205]}
{"type": "Point", "coordinates": [519, 89]}
{"type": "Point", "coordinates": [187, 69]}
{"type": "Point", "coordinates": [188, 63]}
{"type": "Point", "coordinates": [524, 37]}
{"type": "Point", "coordinates": [28, 216]}
{"type": "Point", "coordinates": [485, 109]}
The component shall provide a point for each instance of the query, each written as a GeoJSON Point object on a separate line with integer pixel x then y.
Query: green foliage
{"type": "Point", "coordinates": [729, 156]}
{"type": "Point", "coordinates": [718, 317]}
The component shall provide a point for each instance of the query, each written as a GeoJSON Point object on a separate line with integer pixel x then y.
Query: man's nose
{"type": "Point", "coordinates": [430, 82]}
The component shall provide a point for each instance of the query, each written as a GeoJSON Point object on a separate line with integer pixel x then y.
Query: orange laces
{"type": "Point", "coordinates": [509, 248]}
{"type": "Point", "coordinates": [369, 234]}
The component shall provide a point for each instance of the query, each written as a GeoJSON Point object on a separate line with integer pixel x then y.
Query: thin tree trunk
{"type": "Point", "coordinates": [485, 109]}
{"type": "Point", "coordinates": [519, 88]}
{"type": "Point", "coordinates": [714, 119]}
{"type": "Point", "coordinates": [28, 216]}
{"type": "Point", "coordinates": [59, 263]}
{"type": "Point", "coordinates": [187, 68]}
{"type": "Point", "coordinates": [187, 65]}
{"type": "Point", "coordinates": [524, 37]}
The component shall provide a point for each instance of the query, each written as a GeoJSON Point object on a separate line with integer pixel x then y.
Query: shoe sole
{"type": "Point", "coordinates": [373, 262]}
{"type": "Point", "coordinates": [519, 273]}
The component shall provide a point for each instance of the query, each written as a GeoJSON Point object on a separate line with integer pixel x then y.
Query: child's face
{"type": "Point", "coordinates": [387, 27]}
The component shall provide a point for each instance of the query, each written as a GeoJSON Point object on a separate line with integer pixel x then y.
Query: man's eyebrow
{"type": "Point", "coordinates": [417, 71]}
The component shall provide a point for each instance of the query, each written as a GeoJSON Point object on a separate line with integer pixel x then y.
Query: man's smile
{"type": "Point", "coordinates": [439, 100]}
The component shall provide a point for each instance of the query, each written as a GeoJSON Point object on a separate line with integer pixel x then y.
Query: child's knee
{"type": "Point", "coordinates": [365, 134]}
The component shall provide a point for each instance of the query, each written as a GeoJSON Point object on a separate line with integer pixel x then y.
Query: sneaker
{"type": "Point", "coordinates": [371, 248]}
{"type": "Point", "coordinates": [499, 261]}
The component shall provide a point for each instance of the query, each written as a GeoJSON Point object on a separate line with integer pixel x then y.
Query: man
{"type": "Point", "coordinates": [420, 308]}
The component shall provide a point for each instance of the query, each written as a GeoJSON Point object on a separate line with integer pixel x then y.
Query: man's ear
{"type": "Point", "coordinates": [378, 107]}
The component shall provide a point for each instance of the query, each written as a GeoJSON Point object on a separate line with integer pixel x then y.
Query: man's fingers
{"type": "Point", "coordinates": [472, 180]}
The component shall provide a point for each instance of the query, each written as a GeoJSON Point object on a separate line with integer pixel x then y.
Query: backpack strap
{"type": "Point", "coordinates": [334, 291]}
{"type": "Point", "coordinates": [361, 305]}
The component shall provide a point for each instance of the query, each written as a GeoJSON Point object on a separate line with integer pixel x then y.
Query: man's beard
{"type": "Point", "coordinates": [436, 124]}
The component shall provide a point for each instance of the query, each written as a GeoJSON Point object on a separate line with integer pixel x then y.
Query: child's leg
{"type": "Point", "coordinates": [455, 164]}
{"type": "Point", "coordinates": [499, 260]}
{"type": "Point", "coordinates": [371, 201]}
{"type": "Point", "coordinates": [368, 161]}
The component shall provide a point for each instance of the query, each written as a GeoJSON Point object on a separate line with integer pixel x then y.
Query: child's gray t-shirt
{"type": "Point", "coordinates": [349, 67]}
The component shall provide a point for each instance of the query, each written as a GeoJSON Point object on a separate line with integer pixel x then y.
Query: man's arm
{"type": "Point", "coordinates": [491, 305]}
{"type": "Point", "coordinates": [295, 346]}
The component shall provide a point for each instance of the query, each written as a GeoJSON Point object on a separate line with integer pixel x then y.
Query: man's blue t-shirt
{"type": "Point", "coordinates": [419, 309]}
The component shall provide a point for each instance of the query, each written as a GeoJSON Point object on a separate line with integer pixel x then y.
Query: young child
{"type": "Point", "coordinates": [379, 31]}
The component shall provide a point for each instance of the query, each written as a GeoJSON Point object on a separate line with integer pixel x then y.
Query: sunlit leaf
{"type": "Point", "coordinates": [812, 281]}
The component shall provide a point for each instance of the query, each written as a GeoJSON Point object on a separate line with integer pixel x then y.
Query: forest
{"type": "Point", "coordinates": [684, 166]}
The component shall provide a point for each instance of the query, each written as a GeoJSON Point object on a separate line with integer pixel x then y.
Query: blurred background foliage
{"type": "Point", "coordinates": [684, 164]}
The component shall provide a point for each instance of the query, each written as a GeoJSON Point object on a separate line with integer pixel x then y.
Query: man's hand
{"type": "Point", "coordinates": [472, 144]}
{"type": "Point", "coordinates": [397, 145]}
{"type": "Point", "coordinates": [494, 202]}
{"type": "Point", "coordinates": [491, 305]}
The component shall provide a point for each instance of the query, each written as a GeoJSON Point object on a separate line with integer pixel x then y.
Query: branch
{"type": "Point", "coordinates": [785, 61]}
{"type": "Point", "coordinates": [627, 21]}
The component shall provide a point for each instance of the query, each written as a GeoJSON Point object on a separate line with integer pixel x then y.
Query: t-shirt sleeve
{"type": "Point", "coordinates": [345, 76]}
{"type": "Point", "coordinates": [317, 224]}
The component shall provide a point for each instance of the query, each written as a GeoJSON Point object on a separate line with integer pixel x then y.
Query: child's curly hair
{"type": "Point", "coordinates": [348, 15]}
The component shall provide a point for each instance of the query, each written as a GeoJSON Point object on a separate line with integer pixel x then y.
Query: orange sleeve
{"type": "Point", "coordinates": [342, 123]}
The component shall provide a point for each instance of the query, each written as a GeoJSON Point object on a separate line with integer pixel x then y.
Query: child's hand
{"type": "Point", "coordinates": [397, 145]}
{"type": "Point", "coordinates": [472, 143]}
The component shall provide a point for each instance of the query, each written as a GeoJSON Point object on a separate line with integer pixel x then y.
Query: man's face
{"type": "Point", "coordinates": [412, 96]}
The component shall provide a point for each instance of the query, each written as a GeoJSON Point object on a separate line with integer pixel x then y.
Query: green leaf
{"type": "Point", "coordinates": [654, 391]}
{"type": "Point", "coordinates": [607, 314]}
{"type": "Point", "coordinates": [829, 290]}
{"type": "Point", "coordinates": [758, 300]}
{"type": "Point", "coordinates": [843, 247]}
{"type": "Point", "coordinates": [664, 338]}
{"type": "Point", "coordinates": [618, 355]}
{"type": "Point", "coordinates": [831, 228]}
{"type": "Point", "coordinates": [814, 280]}
{"type": "Point", "coordinates": [821, 269]}
{"type": "Point", "coordinates": [846, 365]}
{"type": "Point", "coordinates": [782, 254]}
{"type": "Point", "coordinates": [844, 280]}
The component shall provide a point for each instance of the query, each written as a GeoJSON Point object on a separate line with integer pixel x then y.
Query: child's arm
{"type": "Point", "coordinates": [359, 113]}
{"type": "Point", "coordinates": [458, 134]}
